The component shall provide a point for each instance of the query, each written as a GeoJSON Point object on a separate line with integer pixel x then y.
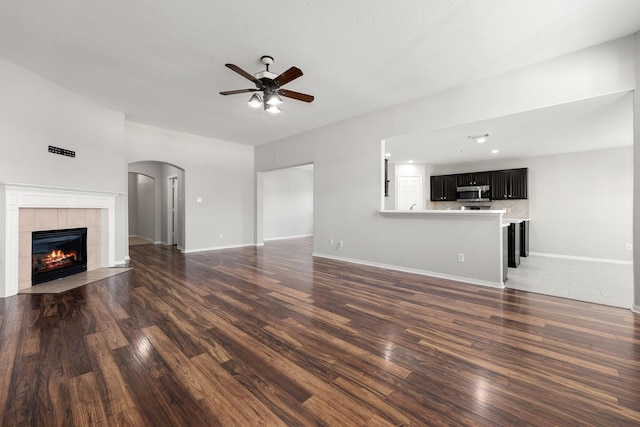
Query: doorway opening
{"type": "Point", "coordinates": [156, 204]}
{"type": "Point", "coordinates": [284, 203]}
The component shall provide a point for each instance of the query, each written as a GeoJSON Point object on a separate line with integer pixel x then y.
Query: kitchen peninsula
{"type": "Point", "coordinates": [463, 245]}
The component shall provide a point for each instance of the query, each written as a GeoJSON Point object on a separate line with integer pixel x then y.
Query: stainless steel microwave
{"type": "Point", "coordinates": [473, 193]}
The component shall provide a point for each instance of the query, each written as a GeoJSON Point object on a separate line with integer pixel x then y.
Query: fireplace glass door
{"type": "Point", "coordinates": [58, 253]}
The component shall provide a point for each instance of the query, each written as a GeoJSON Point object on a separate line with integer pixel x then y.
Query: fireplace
{"type": "Point", "coordinates": [58, 253]}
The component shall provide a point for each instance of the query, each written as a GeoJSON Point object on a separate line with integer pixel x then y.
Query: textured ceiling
{"type": "Point", "coordinates": [162, 62]}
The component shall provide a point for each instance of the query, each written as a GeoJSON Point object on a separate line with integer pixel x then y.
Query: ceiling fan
{"type": "Point", "coordinates": [270, 84]}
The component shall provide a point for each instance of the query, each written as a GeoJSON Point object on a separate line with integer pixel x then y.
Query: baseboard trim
{"type": "Point", "coordinates": [635, 308]}
{"type": "Point", "coordinates": [461, 279]}
{"type": "Point", "coordinates": [582, 258]}
{"type": "Point", "coordinates": [215, 248]}
{"type": "Point", "coordinates": [143, 238]}
{"type": "Point", "coordinates": [288, 237]}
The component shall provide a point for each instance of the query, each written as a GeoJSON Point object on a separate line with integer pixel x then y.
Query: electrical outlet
{"type": "Point", "coordinates": [508, 210]}
{"type": "Point", "coordinates": [221, 236]}
{"type": "Point", "coordinates": [629, 246]}
{"type": "Point", "coordinates": [331, 242]}
{"type": "Point", "coordinates": [460, 257]}
{"type": "Point", "coordinates": [340, 243]}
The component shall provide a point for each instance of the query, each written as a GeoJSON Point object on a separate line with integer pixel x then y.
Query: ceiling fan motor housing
{"type": "Point", "coordinates": [265, 74]}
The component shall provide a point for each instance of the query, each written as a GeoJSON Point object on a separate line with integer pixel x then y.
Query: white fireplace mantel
{"type": "Point", "coordinates": [32, 196]}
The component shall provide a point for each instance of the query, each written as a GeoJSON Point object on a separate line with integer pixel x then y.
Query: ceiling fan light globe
{"type": "Point", "coordinates": [255, 101]}
{"type": "Point", "coordinates": [273, 109]}
{"type": "Point", "coordinates": [274, 99]}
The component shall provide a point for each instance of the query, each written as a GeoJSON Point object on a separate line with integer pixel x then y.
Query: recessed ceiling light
{"type": "Point", "coordinates": [410, 161]}
{"type": "Point", "coordinates": [479, 138]}
{"type": "Point", "coordinates": [387, 154]}
{"type": "Point", "coordinates": [495, 151]}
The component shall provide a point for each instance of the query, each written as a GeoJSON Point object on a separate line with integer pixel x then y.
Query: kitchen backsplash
{"type": "Point", "coordinates": [514, 208]}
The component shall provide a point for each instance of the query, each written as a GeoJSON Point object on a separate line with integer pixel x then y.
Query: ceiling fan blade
{"type": "Point", "coordinates": [296, 95]}
{"type": "Point", "coordinates": [291, 74]}
{"type": "Point", "coordinates": [243, 73]}
{"type": "Point", "coordinates": [233, 92]}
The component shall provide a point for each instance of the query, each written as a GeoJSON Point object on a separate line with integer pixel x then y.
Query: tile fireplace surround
{"type": "Point", "coordinates": [31, 220]}
{"type": "Point", "coordinates": [25, 204]}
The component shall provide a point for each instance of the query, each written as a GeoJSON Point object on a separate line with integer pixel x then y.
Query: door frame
{"type": "Point", "coordinates": [172, 209]}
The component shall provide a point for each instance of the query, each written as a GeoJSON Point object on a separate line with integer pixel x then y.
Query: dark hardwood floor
{"type": "Point", "coordinates": [271, 336]}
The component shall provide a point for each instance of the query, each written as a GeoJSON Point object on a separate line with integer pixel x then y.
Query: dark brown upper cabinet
{"type": "Point", "coordinates": [508, 184]}
{"type": "Point", "coordinates": [504, 184]}
{"type": "Point", "coordinates": [443, 188]}
{"type": "Point", "coordinates": [475, 178]}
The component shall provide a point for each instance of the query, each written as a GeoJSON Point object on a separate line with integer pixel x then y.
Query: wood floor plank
{"type": "Point", "coordinates": [88, 409]}
{"type": "Point", "coordinates": [154, 393]}
{"type": "Point", "coordinates": [179, 363]}
{"type": "Point", "coordinates": [10, 332]}
{"type": "Point", "coordinates": [30, 342]}
{"type": "Point", "coordinates": [224, 402]}
{"type": "Point", "coordinates": [113, 388]}
{"type": "Point", "coordinates": [273, 336]}
{"type": "Point", "coordinates": [107, 324]}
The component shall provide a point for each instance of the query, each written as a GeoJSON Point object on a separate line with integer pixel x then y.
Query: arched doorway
{"type": "Point", "coordinates": [156, 203]}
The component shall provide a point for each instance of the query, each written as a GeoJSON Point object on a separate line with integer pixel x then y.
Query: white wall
{"type": "Point", "coordinates": [34, 114]}
{"type": "Point", "coordinates": [347, 155]}
{"type": "Point", "coordinates": [154, 171]}
{"type": "Point", "coordinates": [636, 179]}
{"type": "Point", "coordinates": [145, 201]}
{"type": "Point", "coordinates": [288, 202]}
{"type": "Point", "coordinates": [219, 172]}
{"type": "Point", "coordinates": [132, 205]}
{"type": "Point", "coordinates": [580, 203]}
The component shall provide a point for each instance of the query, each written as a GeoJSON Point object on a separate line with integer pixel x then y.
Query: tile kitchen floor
{"type": "Point", "coordinates": [597, 282]}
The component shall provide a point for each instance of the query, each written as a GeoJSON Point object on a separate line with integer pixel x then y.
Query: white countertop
{"type": "Point", "coordinates": [515, 220]}
{"type": "Point", "coordinates": [443, 212]}
{"type": "Point", "coordinates": [507, 221]}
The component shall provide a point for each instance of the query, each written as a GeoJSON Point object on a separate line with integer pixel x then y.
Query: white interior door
{"type": "Point", "coordinates": [409, 193]}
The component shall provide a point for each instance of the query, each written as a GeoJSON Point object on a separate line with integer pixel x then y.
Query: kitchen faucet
{"type": "Point", "coordinates": [412, 206]}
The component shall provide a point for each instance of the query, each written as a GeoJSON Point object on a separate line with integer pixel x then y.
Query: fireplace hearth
{"type": "Point", "coordinates": [58, 253]}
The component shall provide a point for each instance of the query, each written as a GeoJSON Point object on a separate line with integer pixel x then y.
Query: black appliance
{"type": "Point", "coordinates": [524, 239]}
{"type": "Point", "coordinates": [514, 244]}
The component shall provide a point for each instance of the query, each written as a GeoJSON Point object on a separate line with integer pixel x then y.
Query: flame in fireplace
{"type": "Point", "coordinates": [57, 258]}
{"type": "Point", "coordinates": [60, 255]}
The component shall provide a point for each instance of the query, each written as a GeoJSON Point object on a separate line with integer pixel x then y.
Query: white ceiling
{"type": "Point", "coordinates": [162, 62]}
{"type": "Point", "coordinates": [591, 124]}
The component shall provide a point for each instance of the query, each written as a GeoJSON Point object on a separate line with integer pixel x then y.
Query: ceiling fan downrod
{"type": "Point", "coordinates": [266, 60]}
